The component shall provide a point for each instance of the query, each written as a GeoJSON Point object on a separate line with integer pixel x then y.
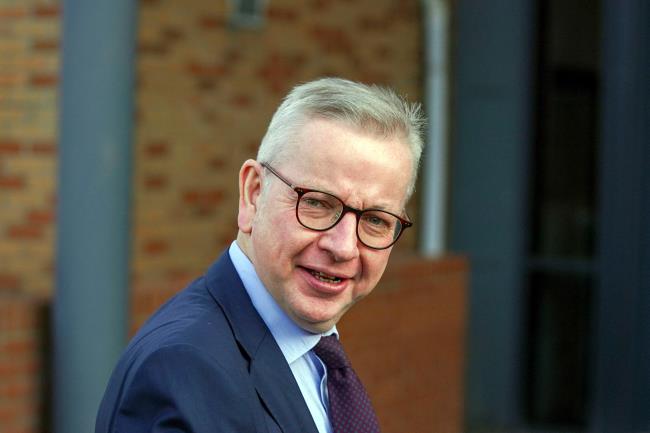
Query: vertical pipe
{"type": "Point", "coordinates": [95, 126]}
{"type": "Point", "coordinates": [434, 203]}
{"type": "Point", "coordinates": [492, 135]}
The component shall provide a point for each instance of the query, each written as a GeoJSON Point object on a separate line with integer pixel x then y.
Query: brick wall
{"type": "Point", "coordinates": [205, 95]}
{"type": "Point", "coordinates": [407, 343]}
{"type": "Point", "coordinates": [29, 54]}
{"type": "Point", "coordinates": [29, 34]}
{"type": "Point", "coordinates": [23, 386]}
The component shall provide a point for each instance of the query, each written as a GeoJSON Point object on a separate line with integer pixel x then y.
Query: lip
{"type": "Point", "coordinates": [322, 287]}
{"type": "Point", "coordinates": [337, 274]}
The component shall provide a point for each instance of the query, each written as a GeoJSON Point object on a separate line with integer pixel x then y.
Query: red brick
{"type": "Point", "coordinates": [17, 390]}
{"type": "Point", "coordinates": [241, 101]}
{"type": "Point", "coordinates": [210, 22]}
{"type": "Point", "coordinates": [12, 367]}
{"type": "Point", "coordinates": [46, 45]}
{"type": "Point", "coordinates": [217, 163]}
{"type": "Point", "coordinates": [157, 148]}
{"type": "Point", "coordinates": [206, 84]}
{"type": "Point", "coordinates": [321, 5]}
{"type": "Point", "coordinates": [13, 12]}
{"type": "Point", "coordinates": [7, 80]}
{"type": "Point", "coordinates": [225, 240]}
{"type": "Point", "coordinates": [232, 56]}
{"type": "Point", "coordinates": [172, 34]}
{"type": "Point", "coordinates": [47, 11]}
{"type": "Point", "coordinates": [41, 216]}
{"type": "Point", "coordinates": [44, 80]}
{"type": "Point", "coordinates": [252, 146]}
{"type": "Point", "coordinates": [206, 70]}
{"type": "Point", "coordinates": [13, 414]}
{"type": "Point", "coordinates": [209, 197]}
{"type": "Point", "coordinates": [332, 39]}
{"type": "Point", "coordinates": [209, 116]}
{"type": "Point", "coordinates": [25, 232]}
{"type": "Point", "coordinates": [277, 13]}
{"type": "Point", "coordinates": [44, 148]}
{"type": "Point", "coordinates": [278, 70]}
{"type": "Point", "coordinates": [156, 48]}
{"type": "Point", "coordinates": [383, 53]}
{"type": "Point", "coordinates": [12, 182]}
{"type": "Point", "coordinates": [155, 247]}
{"type": "Point", "coordinates": [8, 280]}
{"type": "Point", "coordinates": [9, 147]}
{"type": "Point", "coordinates": [404, 11]}
{"type": "Point", "coordinates": [367, 23]}
{"type": "Point", "coordinates": [20, 347]}
{"type": "Point", "coordinates": [7, 414]}
{"type": "Point", "coordinates": [155, 182]}
{"type": "Point", "coordinates": [181, 276]}
{"type": "Point", "coordinates": [49, 267]}
{"type": "Point", "coordinates": [19, 314]}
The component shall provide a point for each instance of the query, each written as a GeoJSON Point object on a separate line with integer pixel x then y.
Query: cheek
{"type": "Point", "coordinates": [277, 238]}
{"type": "Point", "coordinates": [374, 265]}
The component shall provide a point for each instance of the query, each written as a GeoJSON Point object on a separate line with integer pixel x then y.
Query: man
{"type": "Point", "coordinates": [252, 345]}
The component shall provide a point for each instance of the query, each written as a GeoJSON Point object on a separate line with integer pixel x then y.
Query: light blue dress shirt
{"type": "Point", "coordinates": [294, 342]}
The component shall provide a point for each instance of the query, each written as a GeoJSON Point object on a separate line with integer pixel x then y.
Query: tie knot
{"type": "Point", "coordinates": [331, 352]}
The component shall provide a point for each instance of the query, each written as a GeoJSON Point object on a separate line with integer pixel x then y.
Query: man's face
{"type": "Point", "coordinates": [362, 170]}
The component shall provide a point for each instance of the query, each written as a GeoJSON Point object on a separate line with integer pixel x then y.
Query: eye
{"type": "Point", "coordinates": [314, 203]}
{"type": "Point", "coordinates": [376, 221]}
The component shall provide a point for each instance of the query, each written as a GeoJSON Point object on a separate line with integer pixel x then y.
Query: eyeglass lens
{"type": "Point", "coordinates": [321, 211]}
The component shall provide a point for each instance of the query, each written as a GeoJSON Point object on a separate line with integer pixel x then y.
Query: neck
{"type": "Point", "coordinates": [243, 241]}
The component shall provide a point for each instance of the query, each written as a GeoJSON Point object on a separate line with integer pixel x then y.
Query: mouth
{"type": "Point", "coordinates": [324, 277]}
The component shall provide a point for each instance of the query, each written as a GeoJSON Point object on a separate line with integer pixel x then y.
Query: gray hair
{"type": "Point", "coordinates": [369, 108]}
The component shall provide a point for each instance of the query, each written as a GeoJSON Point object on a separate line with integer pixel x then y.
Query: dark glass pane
{"type": "Point", "coordinates": [558, 360]}
{"type": "Point", "coordinates": [563, 210]}
{"type": "Point", "coordinates": [564, 198]}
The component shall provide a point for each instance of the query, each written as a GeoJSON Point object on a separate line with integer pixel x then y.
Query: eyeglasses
{"type": "Point", "coordinates": [320, 211]}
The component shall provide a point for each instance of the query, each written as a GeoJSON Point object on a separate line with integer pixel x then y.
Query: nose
{"type": "Point", "coordinates": [341, 240]}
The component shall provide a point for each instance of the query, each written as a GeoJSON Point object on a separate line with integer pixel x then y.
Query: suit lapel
{"type": "Point", "coordinates": [268, 368]}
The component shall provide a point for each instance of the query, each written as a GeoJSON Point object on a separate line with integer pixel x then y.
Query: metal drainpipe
{"type": "Point", "coordinates": [434, 164]}
{"type": "Point", "coordinates": [93, 239]}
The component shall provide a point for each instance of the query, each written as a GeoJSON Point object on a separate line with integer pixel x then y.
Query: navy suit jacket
{"type": "Point", "coordinates": [205, 362]}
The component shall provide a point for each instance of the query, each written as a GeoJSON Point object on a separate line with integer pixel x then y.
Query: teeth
{"type": "Point", "coordinates": [324, 277]}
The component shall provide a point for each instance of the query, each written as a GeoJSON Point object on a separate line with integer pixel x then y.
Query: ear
{"type": "Point", "coordinates": [250, 188]}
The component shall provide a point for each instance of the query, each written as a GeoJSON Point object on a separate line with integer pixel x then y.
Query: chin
{"type": "Point", "coordinates": [320, 327]}
{"type": "Point", "coordinates": [318, 324]}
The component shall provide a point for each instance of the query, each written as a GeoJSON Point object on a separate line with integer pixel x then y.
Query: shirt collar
{"type": "Point", "coordinates": [294, 342]}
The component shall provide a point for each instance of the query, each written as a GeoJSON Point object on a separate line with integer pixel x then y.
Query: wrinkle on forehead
{"type": "Point", "coordinates": [329, 156]}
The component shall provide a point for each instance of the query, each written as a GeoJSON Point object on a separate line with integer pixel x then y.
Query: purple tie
{"type": "Point", "coordinates": [350, 408]}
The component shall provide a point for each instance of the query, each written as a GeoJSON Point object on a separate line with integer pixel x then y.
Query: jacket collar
{"type": "Point", "coordinates": [268, 368]}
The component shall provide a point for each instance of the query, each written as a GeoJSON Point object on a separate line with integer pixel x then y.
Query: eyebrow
{"type": "Point", "coordinates": [326, 191]}
{"type": "Point", "coordinates": [375, 207]}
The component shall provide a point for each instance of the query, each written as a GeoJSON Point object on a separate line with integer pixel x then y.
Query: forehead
{"type": "Point", "coordinates": [354, 164]}
{"type": "Point", "coordinates": [318, 139]}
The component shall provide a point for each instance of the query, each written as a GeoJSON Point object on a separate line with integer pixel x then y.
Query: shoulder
{"type": "Point", "coordinates": [191, 320]}
{"type": "Point", "coordinates": [185, 357]}
{"type": "Point", "coordinates": [178, 368]}
{"type": "Point", "coordinates": [183, 386]}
